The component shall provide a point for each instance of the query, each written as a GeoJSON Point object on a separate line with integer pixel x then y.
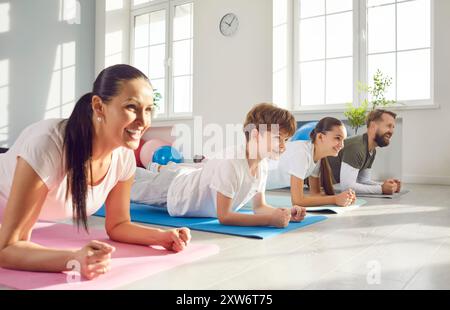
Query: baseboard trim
{"type": "Point", "coordinates": [430, 180]}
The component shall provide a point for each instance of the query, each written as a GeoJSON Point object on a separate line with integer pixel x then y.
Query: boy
{"type": "Point", "coordinates": [219, 187]}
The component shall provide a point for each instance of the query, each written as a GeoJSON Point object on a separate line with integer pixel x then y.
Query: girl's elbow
{"type": "Point", "coordinates": [224, 219]}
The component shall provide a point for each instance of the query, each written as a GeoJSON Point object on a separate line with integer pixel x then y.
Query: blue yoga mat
{"type": "Point", "coordinates": [159, 216]}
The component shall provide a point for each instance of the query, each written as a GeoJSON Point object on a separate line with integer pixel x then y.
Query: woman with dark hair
{"type": "Point", "coordinates": [308, 160]}
{"type": "Point", "coordinates": [60, 169]}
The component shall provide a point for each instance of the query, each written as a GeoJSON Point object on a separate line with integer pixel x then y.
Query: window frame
{"type": "Point", "coordinates": [169, 7]}
{"type": "Point", "coordinates": [360, 61]}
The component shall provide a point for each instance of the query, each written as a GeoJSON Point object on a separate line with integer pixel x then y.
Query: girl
{"type": "Point", "coordinates": [60, 169]}
{"type": "Point", "coordinates": [308, 160]}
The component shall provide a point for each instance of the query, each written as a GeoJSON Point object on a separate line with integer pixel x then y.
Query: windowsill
{"type": "Point", "coordinates": [341, 108]}
{"type": "Point", "coordinates": [170, 121]}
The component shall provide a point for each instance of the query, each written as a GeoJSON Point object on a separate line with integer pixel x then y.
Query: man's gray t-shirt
{"type": "Point", "coordinates": [355, 153]}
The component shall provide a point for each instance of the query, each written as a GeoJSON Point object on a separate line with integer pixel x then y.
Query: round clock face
{"type": "Point", "coordinates": [229, 24]}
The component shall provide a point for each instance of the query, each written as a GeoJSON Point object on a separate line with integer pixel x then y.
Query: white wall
{"type": "Point", "coordinates": [39, 80]}
{"type": "Point", "coordinates": [232, 74]}
{"type": "Point", "coordinates": [112, 32]}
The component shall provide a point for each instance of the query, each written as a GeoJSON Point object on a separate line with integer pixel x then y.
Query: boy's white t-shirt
{"type": "Point", "coordinates": [41, 146]}
{"type": "Point", "coordinates": [193, 193]}
{"type": "Point", "coordinates": [297, 160]}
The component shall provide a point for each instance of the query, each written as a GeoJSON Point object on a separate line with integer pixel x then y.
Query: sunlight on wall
{"type": "Point", "coordinates": [70, 11]}
{"type": "Point", "coordinates": [112, 5]}
{"type": "Point", "coordinates": [280, 53]}
{"type": "Point", "coordinates": [113, 48]}
{"type": "Point", "coordinates": [61, 98]}
{"type": "Point", "coordinates": [4, 102]}
{"type": "Point", "coordinates": [4, 17]}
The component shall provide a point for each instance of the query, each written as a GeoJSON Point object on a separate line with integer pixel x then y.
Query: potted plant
{"type": "Point", "coordinates": [356, 115]}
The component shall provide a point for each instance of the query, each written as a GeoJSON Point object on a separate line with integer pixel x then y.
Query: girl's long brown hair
{"type": "Point", "coordinates": [324, 125]}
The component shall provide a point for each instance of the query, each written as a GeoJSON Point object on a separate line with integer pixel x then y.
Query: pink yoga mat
{"type": "Point", "coordinates": [129, 263]}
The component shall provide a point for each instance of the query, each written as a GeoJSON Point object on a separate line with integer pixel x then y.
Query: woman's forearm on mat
{"type": "Point", "coordinates": [128, 232]}
{"type": "Point", "coordinates": [28, 256]}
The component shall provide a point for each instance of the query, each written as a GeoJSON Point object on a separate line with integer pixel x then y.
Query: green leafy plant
{"type": "Point", "coordinates": [378, 90]}
{"type": "Point", "coordinates": [156, 97]}
{"type": "Point", "coordinates": [356, 115]}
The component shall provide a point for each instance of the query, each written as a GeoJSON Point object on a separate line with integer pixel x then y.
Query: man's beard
{"type": "Point", "coordinates": [381, 141]}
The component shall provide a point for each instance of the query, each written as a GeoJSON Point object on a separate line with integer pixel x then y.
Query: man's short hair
{"type": "Point", "coordinates": [377, 115]}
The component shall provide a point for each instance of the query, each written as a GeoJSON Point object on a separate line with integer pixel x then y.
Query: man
{"type": "Point", "coordinates": [352, 167]}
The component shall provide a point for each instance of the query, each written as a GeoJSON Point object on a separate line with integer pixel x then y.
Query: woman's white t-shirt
{"type": "Point", "coordinates": [41, 146]}
{"type": "Point", "coordinates": [297, 160]}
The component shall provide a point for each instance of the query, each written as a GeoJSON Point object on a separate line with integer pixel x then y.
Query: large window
{"type": "Point", "coordinates": [162, 47]}
{"type": "Point", "coordinates": [339, 42]}
{"type": "Point", "coordinates": [399, 44]}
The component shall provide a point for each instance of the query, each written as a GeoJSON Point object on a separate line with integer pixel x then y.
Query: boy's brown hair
{"type": "Point", "coordinates": [268, 114]}
{"type": "Point", "coordinates": [377, 115]}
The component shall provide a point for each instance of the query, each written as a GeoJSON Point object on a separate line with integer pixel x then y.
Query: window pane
{"type": "Point", "coordinates": [141, 59]}
{"type": "Point", "coordinates": [310, 8]}
{"type": "Point", "coordinates": [381, 29]}
{"type": "Point", "coordinates": [414, 24]}
{"type": "Point", "coordinates": [158, 27]}
{"type": "Point", "coordinates": [378, 2]}
{"type": "Point", "coordinates": [386, 64]}
{"type": "Point", "coordinates": [414, 75]}
{"type": "Point", "coordinates": [339, 81]}
{"type": "Point", "coordinates": [312, 75]}
{"type": "Point", "coordinates": [334, 6]}
{"type": "Point", "coordinates": [340, 35]}
{"type": "Point", "coordinates": [141, 30]}
{"type": "Point", "coordinates": [159, 85]}
{"type": "Point", "coordinates": [182, 23]}
{"type": "Point", "coordinates": [182, 96]}
{"type": "Point", "coordinates": [182, 55]}
{"type": "Point", "coordinates": [312, 39]}
{"type": "Point", "coordinates": [157, 61]}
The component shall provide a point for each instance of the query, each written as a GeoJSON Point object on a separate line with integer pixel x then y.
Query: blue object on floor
{"type": "Point", "coordinates": [166, 154]}
{"type": "Point", "coordinates": [159, 216]}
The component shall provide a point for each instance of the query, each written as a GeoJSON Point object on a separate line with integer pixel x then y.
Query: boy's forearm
{"type": "Point", "coordinates": [237, 219]}
{"type": "Point", "coordinates": [261, 209]}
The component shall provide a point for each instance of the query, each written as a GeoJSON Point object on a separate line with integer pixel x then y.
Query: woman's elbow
{"type": "Point", "coordinates": [3, 258]}
{"type": "Point", "coordinates": [2, 263]}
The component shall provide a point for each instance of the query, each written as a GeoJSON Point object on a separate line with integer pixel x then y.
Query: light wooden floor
{"type": "Point", "coordinates": [386, 244]}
